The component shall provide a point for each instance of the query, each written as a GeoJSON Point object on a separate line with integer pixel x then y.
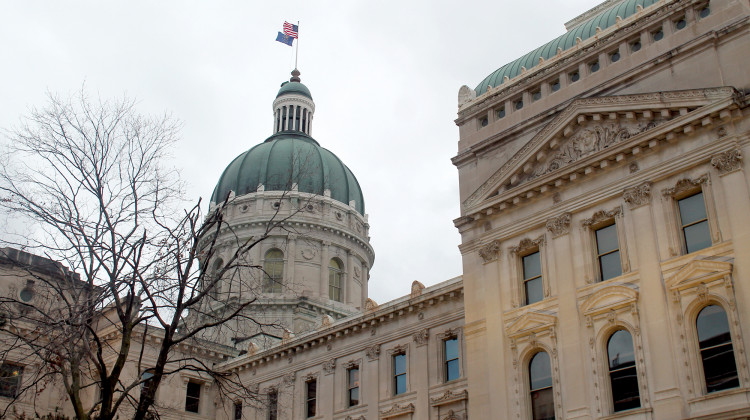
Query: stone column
{"type": "Point", "coordinates": [291, 256]}
{"type": "Point", "coordinates": [347, 288]}
{"type": "Point", "coordinates": [324, 269]}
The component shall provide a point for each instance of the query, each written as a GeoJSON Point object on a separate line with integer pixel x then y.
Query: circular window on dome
{"type": "Point", "coordinates": [276, 205]}
{"type": "Point", "coordinates": [704, 12]}
{"type": "Point", "coordinates": [27, 294]}
{"type": "Point", "coordinates": [657, 35]}
{"type": "Point", "coordinates": [680, 23]}
{"type": "Point", "coordinates": [635, 46]}
{"type": "Point", "coordinates": [614, 57]}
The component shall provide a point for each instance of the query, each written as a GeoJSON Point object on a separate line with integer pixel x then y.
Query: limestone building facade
{"type": "Point", "coordinates": [604, 219]}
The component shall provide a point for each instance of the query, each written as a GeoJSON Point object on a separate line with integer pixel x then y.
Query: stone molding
{"type": "Point", "coordinates": [527, 244]}
{"type": "Point", "coordinates": [559, 225]}
{"type": "Point", "coordinates": [449, 397]}
{"type": "Point", "coordinates": [638, 195]}
{"type": "Point", "coordinates": [601, 216]}
{"type": "Point", "coordinates": [397, 410]}
{"type": "Point", "coordinates": [727, 162]}
{"type": "Point", "coordinates": [685, 185]}
{"type": "Point", "coordinates": [354, 363]}
{"type": "Point", "coordinates": [490, 252]}
{"type": "Point", "coordinates": [421, 337]}
{"type": "Point", "coordinates": [312, 376]}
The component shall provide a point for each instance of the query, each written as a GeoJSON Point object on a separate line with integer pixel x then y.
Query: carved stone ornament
{"type": "Point", "coordinates": [452, 415]}
{"type": "Point", "coordinates": [559, 225]}
{"type": "Point", "coordinates": [684, 185]}
{"type": "Point", "coordinates": [355, 418]}
{"type": "Point", "coordinates": [397, 410]}
{"type": "Point", "coordinates": [370, 305]}
{"type": "Point", "coordinates": [588, 141]}
{"type": "Point", "coordinates": [401, 348]}
{"type": "Point", "coordinates": [309, 253]}
{"type": "Point", "coordinates": [329, 366]}
{"type": "Point", "coordinates": [353, 364]}
{"type": "Point", "coordinates": [420, 337]}
{"type": "Point", "coordinates": [601, 216]}
{"type": "Point", "coordinates": [416, 289]}
{"type": "Point", "coordinates": [373, 352]}
{"type": "Point", "coordinates": [637, 196]}
{"type": "Point", "coordinates": [527, 244]}
{"type": "Point", "coordinates": [727, 162]}
{"type": "Point", "coordinates": [312, 376]}
{"type": "Point", "coordinates": [325, 321]}
{"type": "Point", "coordinates": [490, 252]}
{"type": "Point", "coordinates": [449, 396]}
{"type": "Point", "coordinates": [288, 379]}
{"type": "Point", "coordinates": [357, 272]}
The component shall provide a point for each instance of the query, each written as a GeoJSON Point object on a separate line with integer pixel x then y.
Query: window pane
{"type": "Point", "coordinates": [620, 350]}
{"type": "Point", "coordinates": [539, 371]}
{"type": "Point", "coordinates": [273, 406]}
{"type": "Point", "coordinates": [451, 349]}
{"type": "Point", "coordinates": [192, 399]}
{"type": "Point", "coordinates": [353, 397]}
{"type": "Point", "coordinates": [697, 237]}
{"type": "Point", "coordinates": [606, 239]}
{"type": "Point", "coordinates": [610, 266]}
{"type": "Point", "coordinates": [10, 379]}
{"type": "Point", "coordinates": [400, 384]}
{"type": "Point", "coordinates": [625, 394]}
{"type": "Point", "coordinates": [713, 326]}
{"type": "Point", "coordinates": [238, 410]}
{"type": "Point", "coordinates": [353, 378]}
{"type": "Point", "coordinates": [399, 364]}
{"type": "Point", "coordinates": [692, 209]}
{"type": "Point", "coordinates": [534, 292]}
{"type": "Point", "coordinates": [719, 368]}
{"type": "Point", "coordinates": [543, 404]}
{"type": "Point", "coordinates": [451, 372]}
{"type": "Point", "coordinates": [532, 266]}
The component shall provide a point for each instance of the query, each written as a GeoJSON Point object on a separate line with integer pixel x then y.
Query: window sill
{"type": "Point", "coordinates": [353, 410]}
{"type": "Point", "coordinates": [719, 394]}
{"type": "Point", "coordinates": [398, 398]}
{"type": "Point", "coordinates": [633, 413]}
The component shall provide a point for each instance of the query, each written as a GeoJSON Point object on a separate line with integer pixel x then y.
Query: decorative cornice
{"type": "Point", "coordinates": [397, 410]}
{"type": "Point", "coordinates": [637, 196]}
{"type": "Point", "coordinates": [398, 349]}
{"type": "Point", "coordinates": [527, 244]}
{"type": "Point", "coordinates": [559, 225]}
{"type": "Point", "coordinates": [685, 185]}
{"type": "Point", "coordinates": [312, 376]}
{"type": "Point", "coordinates": [727, 162]}
{"type": "Point", "coordinates": [421, 337]}
{"type": "Point", "coordinates": [601, 216]}
{"type": "Point", "coordinates": [355, 363]}
{"type": "Point", "coordinates": [490, 252]}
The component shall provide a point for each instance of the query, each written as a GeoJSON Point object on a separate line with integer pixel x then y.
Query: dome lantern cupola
{"type": "Point", "coordinates": [293, 108]}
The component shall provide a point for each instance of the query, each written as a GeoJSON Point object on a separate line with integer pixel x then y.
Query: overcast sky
{"type": "Point", "coordinates": [384, 76]}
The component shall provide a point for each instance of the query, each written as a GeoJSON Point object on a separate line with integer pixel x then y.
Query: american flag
{"type": "Point", "coordinates": [290, 29]}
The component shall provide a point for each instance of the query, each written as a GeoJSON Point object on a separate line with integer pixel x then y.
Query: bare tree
{"type": "Point", "coordinates": [91, 178]}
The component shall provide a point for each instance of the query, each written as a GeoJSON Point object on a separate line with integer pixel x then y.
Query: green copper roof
{"type": "Point", "coordinates": [294, 87]}
{"type": "Point", "coordinates": [585, 30]}
{"type": "Point", "coordinates": [287, 158]}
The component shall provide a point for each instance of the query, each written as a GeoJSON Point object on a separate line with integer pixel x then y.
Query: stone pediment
{"type": "Point", "coordinates": [589, 134]}
{"type": "Point", "coordinates": [531, 322]}
{"type": "Point", "coordinates": [609, 298]}
{"type": "Point", "coordinates": [699, 270]}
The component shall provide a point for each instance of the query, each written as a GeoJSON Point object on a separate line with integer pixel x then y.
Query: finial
{"type": "Point", "coordinates": [295, 76]}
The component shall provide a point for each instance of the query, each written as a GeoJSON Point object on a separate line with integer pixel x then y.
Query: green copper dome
{"type": "Point", "coordinates": [286, 158]}
{"type": "Point", "coordinates": [584, 30]}
{"type": "Point", "coordinates": [294, 87]}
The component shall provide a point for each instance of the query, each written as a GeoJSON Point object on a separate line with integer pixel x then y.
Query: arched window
{"type": "Point", "coordinates": [212, 279]}
{"type": "Point", "coordinates": [540, 384]}
{"type": "Point", "coordinates": [335, 268]}
{"type": "Point", "coordinates": [623, 375]}
{"type": "Point", "coordinates": [717, 354]}
{"type": "Point", "coordinates": [273, 267]}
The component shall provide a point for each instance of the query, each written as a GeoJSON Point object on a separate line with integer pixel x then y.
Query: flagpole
{"type": "Point", "coordinates": [296, 52]}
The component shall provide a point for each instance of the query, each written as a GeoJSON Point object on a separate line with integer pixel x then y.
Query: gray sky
{"type": "Point", "coordinates": [384, 76]}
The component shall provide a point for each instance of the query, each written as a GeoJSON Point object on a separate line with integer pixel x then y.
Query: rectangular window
{"type": "Point", "coordinates": [311, 397]}
{"type": "Point", "coordinates": [694, 222]}
{"type": "Point", "coordinates": [273, 405]}
{"type": "Point", "coordinates": [10, 379]}
{"type": "Point", "coordinates": [238, 410]}
{"type": "Point", "coordinates": [532, 278]}
{"type": "Point", "coordinates": [193, 397]}
{"type": "Point", "coordinates": [353, 380]}
{"type": "Point", "coordinates": [608, 252]}
{"type": "Point", "coordinates": [399, 374]}
{"type": "Point", "coordinates": [450, 346]}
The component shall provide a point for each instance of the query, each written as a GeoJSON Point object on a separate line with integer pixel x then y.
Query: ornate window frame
{"type": "Point", "coordinates": [608, 309]}
{"type": "Point", "coordinates": [683, 188]}
{"type": "Point", "coordinates": [526, 247]}
{"type": "Point", "coordinates": [392, 353]}
{"type": "Point", "coordinates": [598, 220]}
{"type": "Point", "coordinates": [265, 273]}
{"type": "Point", "coordinates": [699, 283]}
{"type": "Point", "coordinates": [352, 364]}
{"type": "Point", "coordinates": [528, 335]}
{"type": "Point", "coordinates": [440, 338]}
